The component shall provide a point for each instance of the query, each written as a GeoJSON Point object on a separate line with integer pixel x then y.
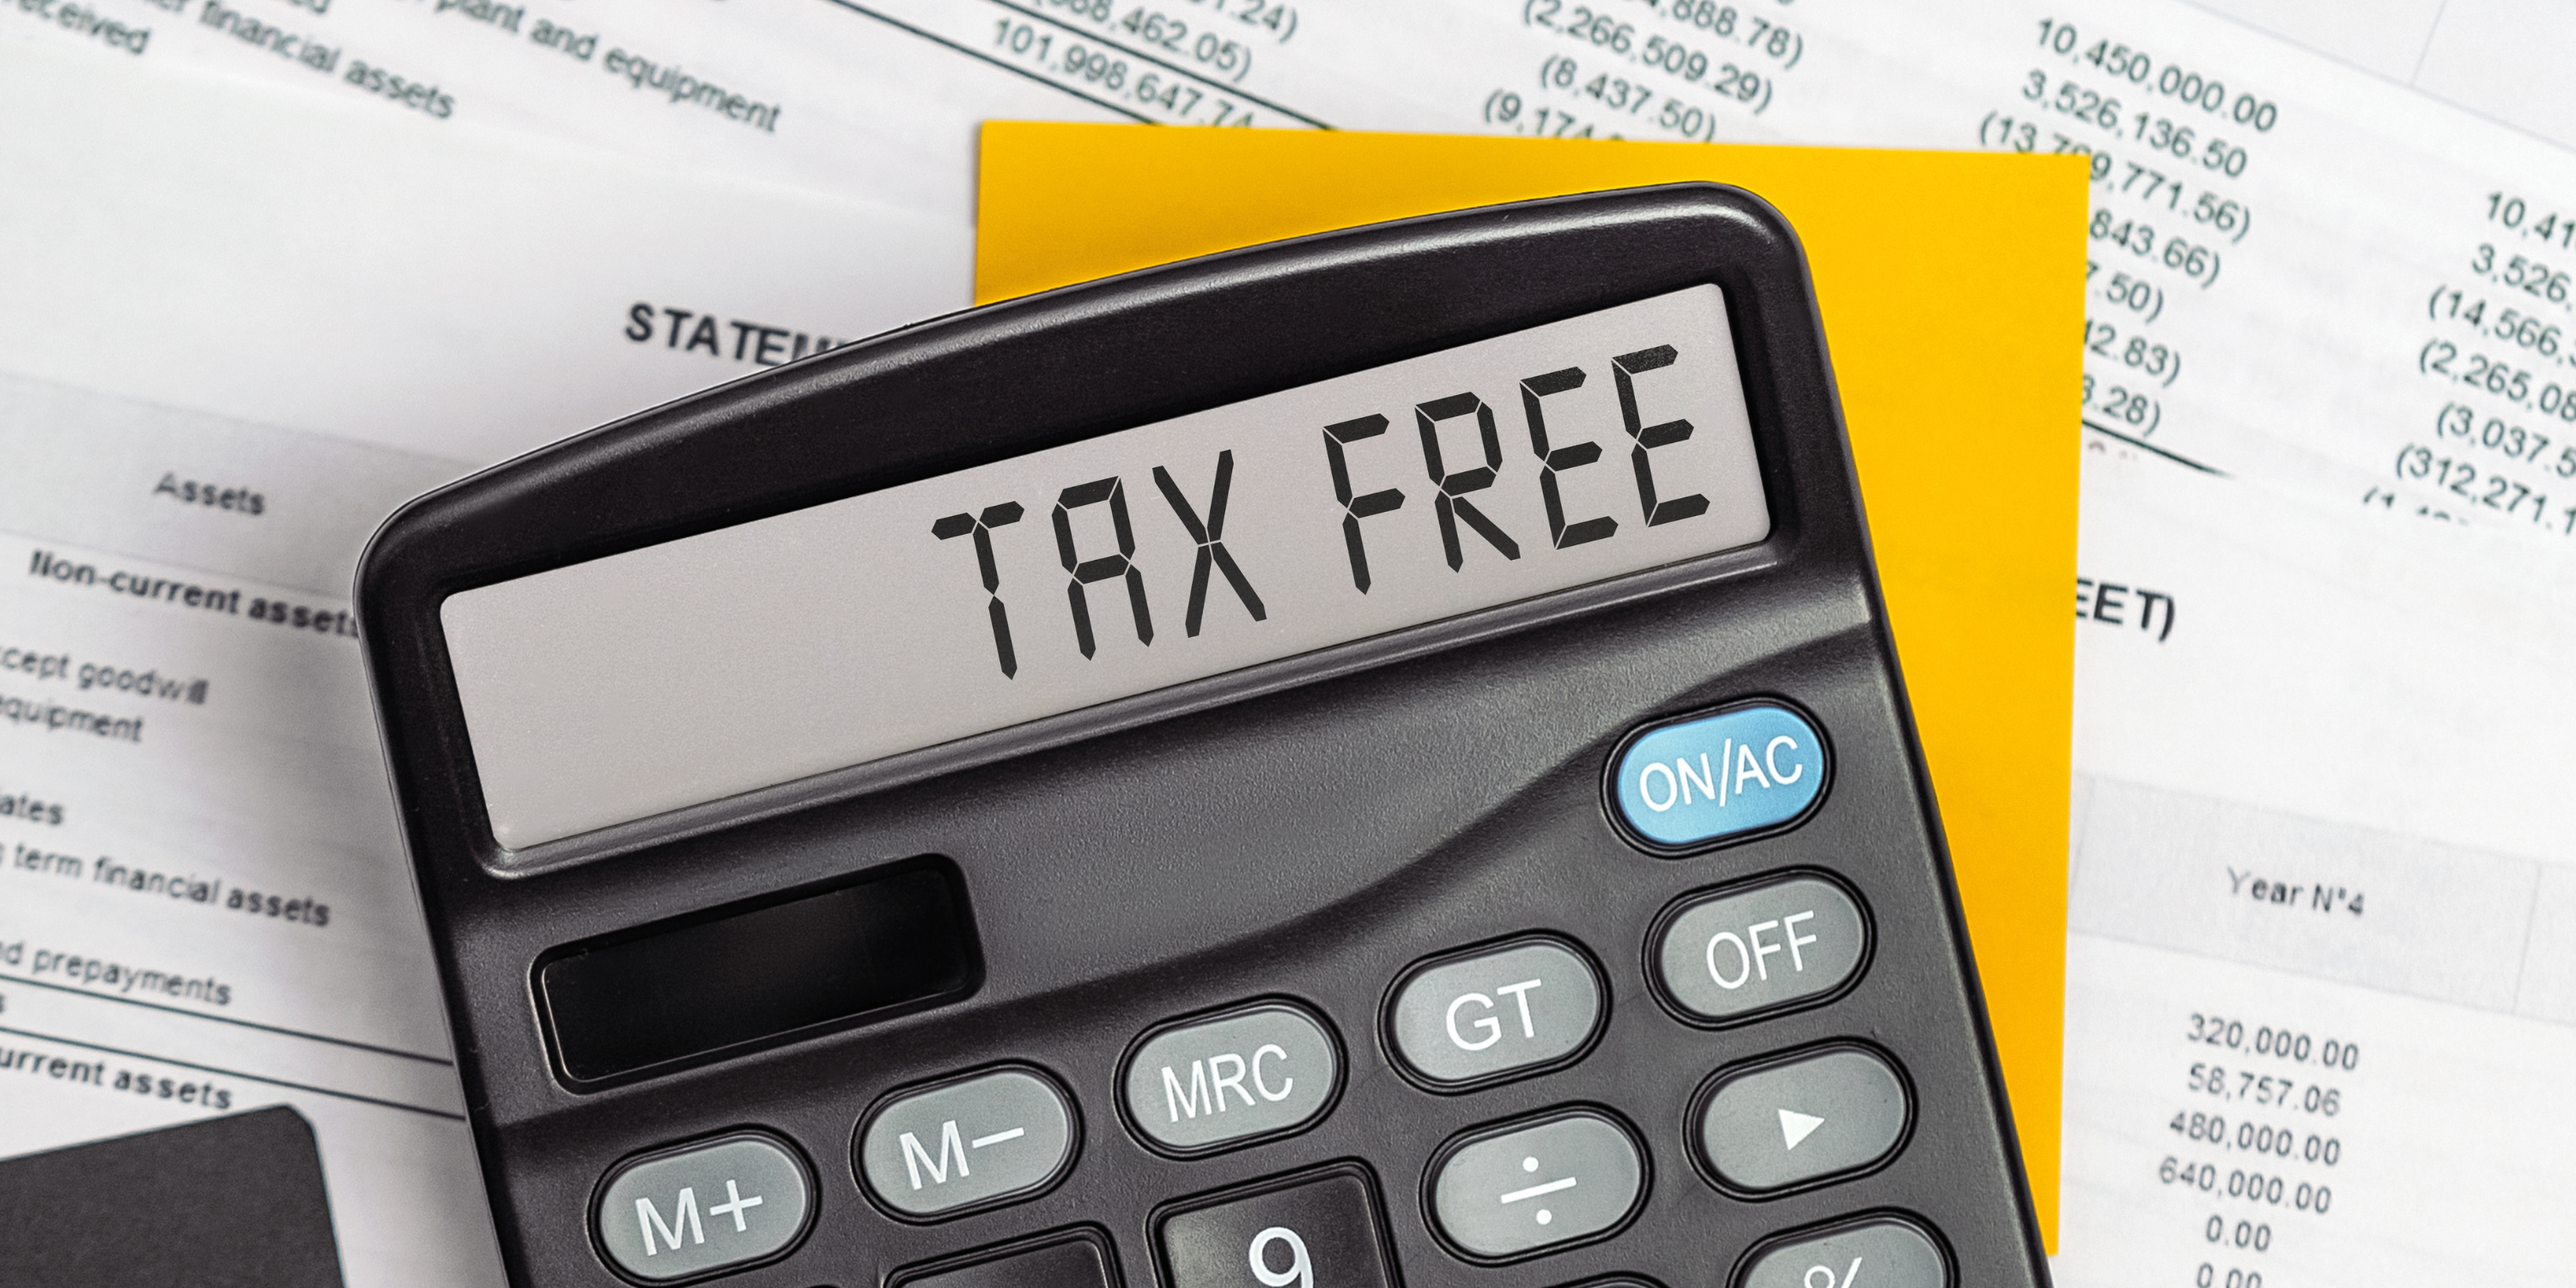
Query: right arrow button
{"type": "Point", "coordinates": [1793, 1120]}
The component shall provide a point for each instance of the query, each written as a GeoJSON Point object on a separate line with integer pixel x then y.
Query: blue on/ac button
{"type": "Point", "coordinates": [1698, 780]}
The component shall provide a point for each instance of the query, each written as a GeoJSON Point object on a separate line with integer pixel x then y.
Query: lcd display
{"type": "Point", "coordinates": [864, 628]}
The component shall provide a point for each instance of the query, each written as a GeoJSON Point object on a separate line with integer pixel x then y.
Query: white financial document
{"type": "Point", "coordinates": [243, 326]}
{"type": "Point", "coordinates": [2323, 969]}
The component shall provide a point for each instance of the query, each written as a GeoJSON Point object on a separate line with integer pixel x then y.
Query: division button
{"type": "Point", "coordinates": [1698, 780]}
{"type": "Point", "coordinates": [1786, 1123]}
{"type": "Point", "coordinates": [683, 1213]}
{"type": "Point", "coordinates": [1531, 1185]}
{"type": "Point", "coordinates": [1077, 1259]}
{"type": "Point", "coordinates": [1892, 1253]}
{"type": "Point", "coordinates": [1744, 951]}
{"type": "Point", "coordinates": [1474, 1017]}
{"type": "Point", "coordinates": [1320, 1233]}
{"type": "Point", "coordinates": [1257, 1071]}
{"type": "Point", "coordinates": [972, 1141]}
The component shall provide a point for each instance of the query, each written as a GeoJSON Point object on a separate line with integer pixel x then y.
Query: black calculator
{"type": "Point", "coordinates": [1368, 761]}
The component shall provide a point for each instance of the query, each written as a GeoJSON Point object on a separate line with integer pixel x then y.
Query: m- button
{"type": "Point", "coordinates": [974, 1141]}
{"type": "Point", "coordinates": [1255, 1071]}
{"type": "Point", "coordinates": [680, 1213]}
{"type": "Point", "coordinates": [1464, 1019]}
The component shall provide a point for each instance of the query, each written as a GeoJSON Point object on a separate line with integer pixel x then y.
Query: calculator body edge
{"type": "Point", "coordinates": [1100, 908]}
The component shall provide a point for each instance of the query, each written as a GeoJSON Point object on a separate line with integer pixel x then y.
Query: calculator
{"type": "Point", "coordinates": [1367, 761]}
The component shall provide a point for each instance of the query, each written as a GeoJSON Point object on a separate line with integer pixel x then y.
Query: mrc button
{"type": "Point", "coordinates": [1898, 1253]}
{"type": "Point", "coordinates": [1747, 950]}
{"type": "Point", "coordinates": [685, 1212]}
{"type": "Point", "coordinates": [1522, 1188]}
{"type": "Point", "coordinates": [972, 1141]}
{"type": "Point", "coordinates": [1787, 1122]}
{"type": "Point", "coordinates": [1489, 1012]}
{"type": "Point", "coordinates": [1258, 1070]}
{"type": "Point", "coordinates": [1701, 779]}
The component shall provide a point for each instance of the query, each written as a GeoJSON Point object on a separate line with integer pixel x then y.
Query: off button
{"type": "Point", "coordinates": [1736, 953]}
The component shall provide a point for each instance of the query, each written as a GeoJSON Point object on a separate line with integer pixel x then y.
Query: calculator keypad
{"type": "Point", "coordinates": [1320, 1233]}
{"type": "Point", "coordinates": [1508, 1191]}
{"type": "Point", "coordinates": [1784, 1123]}
{"type": "Point", "coordinates": [1474, 1017]}
{"type": "Point", "coordinates": [1456, 1022]}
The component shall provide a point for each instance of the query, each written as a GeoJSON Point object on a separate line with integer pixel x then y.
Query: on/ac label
{"type": "Point", "coordinates": [1695, 781]}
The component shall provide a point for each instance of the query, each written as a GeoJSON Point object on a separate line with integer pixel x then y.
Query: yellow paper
{"type": "Point", "coordinates": [1951, 286]}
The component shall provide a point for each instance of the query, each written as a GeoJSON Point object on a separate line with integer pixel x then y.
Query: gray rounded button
{"type": "Point", "coordinates": [1749, 950]}
{"type": "Point", "coordinates": [1506, 1008]}
{"type": "Point", "coordinates": [725, 1203]}
{"type": "Point", "coordinates": [975, 1140]}
{"type": "Point", "coordinates": [1820, 1115]}
{"type": "Point", "coordinates": [1263, 1069]}
{"type": "Point", "coordinates": [1893, 1253]}
{"type": "Point", "coordinates": [1525, 1188]}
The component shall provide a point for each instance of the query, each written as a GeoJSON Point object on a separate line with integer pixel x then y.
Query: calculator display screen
{"type": "Point", "coordinates": [847, 632]}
